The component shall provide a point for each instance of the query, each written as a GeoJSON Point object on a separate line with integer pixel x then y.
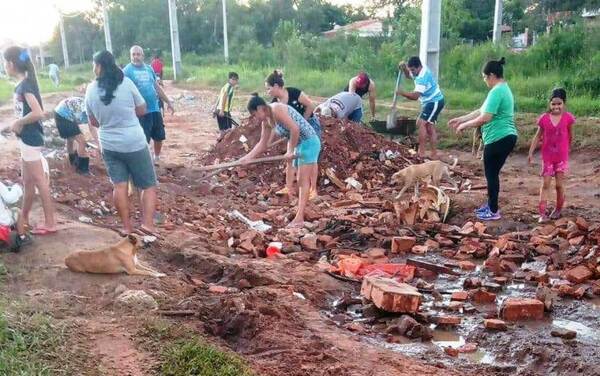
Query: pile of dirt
{"type": "Point", "coordinates": [346, 148]}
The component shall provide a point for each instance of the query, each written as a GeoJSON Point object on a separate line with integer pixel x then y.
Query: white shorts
{"type": "Point", "coordinates": [30, 153]}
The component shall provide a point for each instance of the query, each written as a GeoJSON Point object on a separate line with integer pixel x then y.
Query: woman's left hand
{"type": "Point", "coordinates": [460, 128]}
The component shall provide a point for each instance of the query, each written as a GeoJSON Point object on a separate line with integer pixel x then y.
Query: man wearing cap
{"type": "Point", "coordinates": [428, 92]}
{"type": "Point", "coordinates": [342, 106]}
{"type": "Point", "coordinates": [361, 84]}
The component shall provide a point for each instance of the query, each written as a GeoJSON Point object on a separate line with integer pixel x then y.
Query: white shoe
{"type": "Point", "coordinates": [156, 160]}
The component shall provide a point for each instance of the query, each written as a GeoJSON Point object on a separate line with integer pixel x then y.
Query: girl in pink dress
{"type": "Point", "coordinates": [554, 132]}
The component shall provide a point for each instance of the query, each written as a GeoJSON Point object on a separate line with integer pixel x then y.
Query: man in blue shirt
{"type": "Point", "coordinates": [429, 94]}
{"type": "Point", "coordinates": [145, 80]}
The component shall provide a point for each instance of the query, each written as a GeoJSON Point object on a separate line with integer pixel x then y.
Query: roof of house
{"type": "Point", "coordinates": [355, 26]}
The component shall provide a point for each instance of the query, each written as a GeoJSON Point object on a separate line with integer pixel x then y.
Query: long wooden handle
{"type": "Point", "coordinates": [238, 163]}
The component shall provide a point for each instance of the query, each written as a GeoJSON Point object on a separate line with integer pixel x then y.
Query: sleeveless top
{"type": "Point", "coordinates": [360, 91]}
{"type": "Point", "coordinates": [306, 130]}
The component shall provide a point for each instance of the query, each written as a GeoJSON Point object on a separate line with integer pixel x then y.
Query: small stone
{"type": "Point", "coordinates": [467, 265]}
{"type": "Point", "coordinates": [137, 299]}
{"type": "Point", "coordinates": [468, 348]}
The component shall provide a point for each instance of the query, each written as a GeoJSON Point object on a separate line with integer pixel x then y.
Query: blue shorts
{"type": "Point", "coordinates": [137, 165]}
{"type": "Point", "coordinates": [308, 151]}
{"type": "Point", "coordinates": [153, 126]}
{"type": "Point", "coordinates": [430, 111]}
{"type": "Point", "coordinates": [356, 115]}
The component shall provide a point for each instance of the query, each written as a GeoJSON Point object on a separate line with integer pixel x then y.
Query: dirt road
{"type": "Point", "coordinates": [277, 314]}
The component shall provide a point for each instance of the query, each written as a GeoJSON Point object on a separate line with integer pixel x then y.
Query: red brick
{"type": "Point", "coordinates": [467, 265]}
{"type": "Point", "coordinates": [579, 274]}
{"type": "Point", "coordinates": [460, 296]}
{"type": "Point", "coordinates": [515, 309]}
{"type": "Point", "coordinates": [494, 324]}
{"type": "Point", "coordinates": [446, 320]}
{"type": "Point", "coordinates": [500, 280]}
{"type": "Point", "coordinates": [390, 295]}
{"type": "Point", "coordinates": [451, 351]}
{"type": "Point", "coordinates": [309, 241]}
{"type": "Point", "coordinates": [468, 348]}
{"type": "Point", "coordinates": [482, 297]}
{"type": "Point", "coordinates": [403, 243]}
{"type": "Point", "coordinates": [420, 249]}
{"type": "Point", "coordinates": [432, 244]}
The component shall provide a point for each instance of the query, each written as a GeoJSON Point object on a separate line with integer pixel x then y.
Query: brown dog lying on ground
{"type": "Point", "coordinates": [436, 170]}
{"type": "Point", "coordinates": [119, 258]}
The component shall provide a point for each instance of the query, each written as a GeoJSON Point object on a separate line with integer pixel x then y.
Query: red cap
{"type": "Point", "coordinates": [362, 80]}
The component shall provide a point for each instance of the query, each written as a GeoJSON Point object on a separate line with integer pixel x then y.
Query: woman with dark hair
{"type": "Point", "coordinates": [28, 105]}
{"type": "Point", "coordinates": [300, 102]}
{"type": "Point", "coordinates": [497, 121]}
{"type": "Point", "coordinates": [113, 104]}
{"type": "Point", "coordinates": [303, 142]}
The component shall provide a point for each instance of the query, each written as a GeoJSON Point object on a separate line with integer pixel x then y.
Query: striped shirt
{"type": "Point", "coordinates": [306, 130]}
{"type": "Point", "coordinates": [427, 86]}
{"type": "Point", "coordinates": [225, 98]}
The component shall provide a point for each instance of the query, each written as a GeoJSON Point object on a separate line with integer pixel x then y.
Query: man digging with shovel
{"type": "Point", "coordinates": [429, 94]}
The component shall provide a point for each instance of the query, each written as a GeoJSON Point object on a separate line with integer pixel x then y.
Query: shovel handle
{"type": "Point", "coordinates": [396, 90]}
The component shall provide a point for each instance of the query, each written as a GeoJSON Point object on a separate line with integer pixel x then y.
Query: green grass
{"type": "Point", "coordinates": [33, 343]}
{"type": "Point", "coordinates": [182, 354]}
{"type": "Point", "coordinates": [69, 80]}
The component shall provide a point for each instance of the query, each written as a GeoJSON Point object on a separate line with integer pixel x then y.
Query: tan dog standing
{"type": "Point", "coordinates": [119, 258]}
{"type": "Point", "coordinates": [436, 170]}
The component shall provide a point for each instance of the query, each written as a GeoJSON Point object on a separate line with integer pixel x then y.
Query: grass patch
{"type": "Point", "coordinates": [183, 354]}
{"type": "Point", "coordinates": [33, 343]}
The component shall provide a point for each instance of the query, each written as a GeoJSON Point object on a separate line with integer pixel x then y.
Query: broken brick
{"type": "Point", "coordinates": [582, 224]}
{"type": "Point", "coordinates": [472, 283]}
{"type": "Point", "coordinates": [309, 241]}
{"type": "Point", "coordinates": [579, 274]}
{"type": "Point", "coordinates": [515, 309]}
{"type": "Point", "coordinates": [468, 348]}
{"type": "Point", "coordinates": [420, 249]}
{"type": "Point", "coordinates": [367, 231]}
{"type": "Point", "coordinates": [494, 324]}
{"type": "Point", "coordinates": [461, 296]}
{"type": "Point", "coordinates": [467, 265]}
{"type": "Point", "coordinates": [578, 240]}
{"type": "Point", "coordinates": [482, 297]}
{"type": "Point", "coordinates": [446, 320]}
{"type": "Point", "coordinates": [403, 243]}
{"type": "Point", "coordinates": [432, 244]}
{"type": "Point", "coordinates": [451, 351]}
{"type": "Point", "coordinates": [563, 333]}
{"type": "Point", "coordinates": [390, 295]}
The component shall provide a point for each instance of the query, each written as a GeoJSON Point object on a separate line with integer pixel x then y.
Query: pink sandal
{"type": "Point", "coordinates": [42, 230]}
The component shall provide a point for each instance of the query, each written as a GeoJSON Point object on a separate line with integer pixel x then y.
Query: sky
{"type": "Point", "coordinates": [32, 21]}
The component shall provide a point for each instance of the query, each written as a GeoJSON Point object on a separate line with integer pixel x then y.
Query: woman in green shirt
{"type": "Point", "coordinates": [497, 121]}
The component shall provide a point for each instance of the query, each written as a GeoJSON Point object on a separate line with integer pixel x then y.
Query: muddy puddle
{"type": "Point", "coordinates": [525, 348]}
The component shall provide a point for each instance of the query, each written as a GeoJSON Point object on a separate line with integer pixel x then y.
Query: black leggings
{"type": "Point", "coordinates": [494, 156]}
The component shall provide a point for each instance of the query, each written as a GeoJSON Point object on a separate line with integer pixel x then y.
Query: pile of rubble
{"type": "Point", "coordinates": [442, 274]}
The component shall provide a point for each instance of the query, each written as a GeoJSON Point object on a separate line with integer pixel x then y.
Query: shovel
{"type": "Point", "coordinates": [259, 226]}
{"type": "Point", "coordinates": [391, 119]}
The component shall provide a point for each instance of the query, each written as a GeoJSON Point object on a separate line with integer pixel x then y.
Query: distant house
{"type": "Point", "coordinates": [364, 28]}
{"type": "Point", "coordinates": [592, 15]}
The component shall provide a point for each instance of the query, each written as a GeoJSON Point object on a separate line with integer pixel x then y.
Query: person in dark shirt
{"type": "Point", "coordinates": [28, 128]}
{"type": "Point", "coordinates": [299, 101]}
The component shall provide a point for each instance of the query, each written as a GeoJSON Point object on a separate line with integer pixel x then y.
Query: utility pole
{"type": "Point", "coordinates": [107, 39]}
{"type": "Point", "coordinates": [429, 50]}
{"type": "Point", "coordinates": [63, 38]}
{"type": "Point", "coordinates": [42, 62]}
{"type": "Point", "coordinates": [497, 34]}
{"type": "Point", "coordinates": [225, 41]}
{"type": "Point", "coordinates": [175, 49]}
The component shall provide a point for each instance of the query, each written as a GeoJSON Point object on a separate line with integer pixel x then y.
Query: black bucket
{"type": "Point", "coordinates": [404, 126]}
